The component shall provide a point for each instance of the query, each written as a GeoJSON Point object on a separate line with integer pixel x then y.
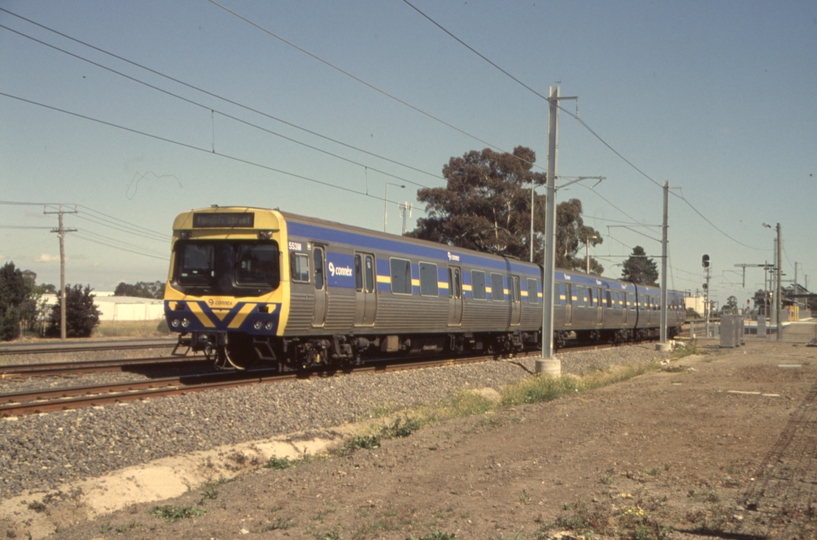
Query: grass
{"type": "Point", "coordinates": [278, 463]}
{"type": "Point", "coordinates": [172, 513]}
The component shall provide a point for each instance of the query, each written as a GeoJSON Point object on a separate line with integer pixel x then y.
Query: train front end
{"type": "Point", "coordinates": [227, 287]}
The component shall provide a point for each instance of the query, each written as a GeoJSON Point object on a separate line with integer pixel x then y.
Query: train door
{"type": "Point", "coordinates": [365, 290]}
{"type": "Point", "coordinates": [516, 302]}
{"type": "Point", "coordinates": [624, 307]}
{"type": "Point", "coordinates": [599, 308]}
{"type": "Point", "coordinates": [319, 275]}
{"type": "Point", "coordinates": [568, 304]}
{"type": "Point", "coordinates": [454, 296]}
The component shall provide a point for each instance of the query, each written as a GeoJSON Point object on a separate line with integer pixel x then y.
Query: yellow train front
{"type": "Point", "coordinates": [225, 283]}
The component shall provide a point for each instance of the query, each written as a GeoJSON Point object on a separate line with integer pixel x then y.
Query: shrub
{"type": "Point", "coordinates": [81, 315]}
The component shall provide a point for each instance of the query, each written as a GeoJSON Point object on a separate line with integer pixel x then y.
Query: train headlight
{"type": "Point", "coordinates": [174, 323]}
{"type": "Point", "coordinates": [258, 325]}
{"type": "Point", "coordinates": [268, 326]}
{"type": "Point", "coordinates": [185, 322]}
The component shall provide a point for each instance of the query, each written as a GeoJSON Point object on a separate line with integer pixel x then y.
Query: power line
{"type": "Point", "coordinates": [192, 147]}
{"type": "Point", "coordinates": [217, 96]}
{"type": "Point", "coordinates": [358, 79]}
{"type": "Point", "coordinates": [205, 107]}
{"type": "Point", "coordinates": [119, 247]}
{"type": "Point", "coordinates": [583, 124]}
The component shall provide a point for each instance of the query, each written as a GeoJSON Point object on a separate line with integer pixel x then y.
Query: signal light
{"type": "Point", "coordinates": [705, 261]}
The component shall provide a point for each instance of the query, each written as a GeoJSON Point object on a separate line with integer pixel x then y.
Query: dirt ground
{"type": "Point", "coordinates": [719, 445]}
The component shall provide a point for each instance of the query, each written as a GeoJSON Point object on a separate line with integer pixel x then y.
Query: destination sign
{"type": "Point", "coordinates": [224, 219]}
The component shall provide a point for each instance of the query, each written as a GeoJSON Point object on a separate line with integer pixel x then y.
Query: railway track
{"type": "Point", "coordinates": [65, 398]}
{"type": "Point", "coordinates": [14, 371]}
{"type": "Point", "coordinates": [60, 347]}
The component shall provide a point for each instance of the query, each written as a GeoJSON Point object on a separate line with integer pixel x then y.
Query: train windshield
{"type": "Point", "coordinates": [236, 268]}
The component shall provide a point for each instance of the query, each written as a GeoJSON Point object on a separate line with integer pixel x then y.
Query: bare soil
{"type": "Point", "coordinates": [719, 445]}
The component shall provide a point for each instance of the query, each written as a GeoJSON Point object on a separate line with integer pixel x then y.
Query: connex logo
{"type": "Point", "coordinates": [220, 302]}
{"type": "Point", "coordinates": [453, 257]}
{"type": "Point", "coordinates": [340, 270]}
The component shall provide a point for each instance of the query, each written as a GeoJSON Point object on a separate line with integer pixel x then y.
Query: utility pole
{"type": "Point", "coordinates": [550, 231]}
{"type": "Point", "coordinates": [777, 298]}
{"type": "Point", "coordinates": [663, 334]}
{"type": "Point", "coordinates": [61, 231]}
{"type": "Point", "coordinates": [707, 306]}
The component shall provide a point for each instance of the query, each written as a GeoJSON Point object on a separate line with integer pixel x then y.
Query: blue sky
{"type": "Point", "coordinates": [718, 98]}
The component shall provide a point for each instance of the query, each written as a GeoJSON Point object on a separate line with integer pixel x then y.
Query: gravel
{"type": "Point", "coordinates": [40, 452]}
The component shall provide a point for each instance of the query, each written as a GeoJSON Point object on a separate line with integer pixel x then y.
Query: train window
{"type": "Point", "coordinates": [478, 284]}
{"type": "Point", "coordinates": [533, 291]}
{"type": "Point", "coordinates": [197, 264]}
{"type": "Point", "coordinates": [257, 265]}
{"type": "Point", "coordinates": [579, 297]}
{"type": "Point", "coordinates": [358, 273]}
{"type": "Point", "coordinates": [400, 276]}
{"type": "Point", "coordinates": [569, 294]}
{"type": "Point", "coordinates": [369, 273]}
{"type": "Point", "coordinates": [590, 300]}
{"type": "Point", "coordinates": [428, 279]}
{"type": "Point", "coordinates": [609, 299]}
{"type": "Point", "coordinates": [317, 257]}
{"type": "Point", "coordinates": [497, 287]}
{"type": "Point", "coordinates": [515, 293]}
{"type": "Point", "coordinates": [454, 283]}
{"type": "Point", "coordinates": [299, 267]}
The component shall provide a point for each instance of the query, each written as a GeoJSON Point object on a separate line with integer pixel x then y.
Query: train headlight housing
{"type": "Point", "coordinates": [258, 325]}
{"type": "Point", "coordinates": [268, 326]}
{"type": "Point", "coordinates": [185, 322]}
{"type": "Point", "coordinates": [175, 323]}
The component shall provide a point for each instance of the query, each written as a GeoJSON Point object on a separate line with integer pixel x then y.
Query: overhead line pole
{"type": "Point", "coordinates": [61, 231]}
{"type": "Point", "coordinates": [663, 335]}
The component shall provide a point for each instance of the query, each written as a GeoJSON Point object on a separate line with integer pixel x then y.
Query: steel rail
{"type": "Point", "coordinates": [86, 346]}
{"type": "Point", "coordinates": [47, 400]}
{"type": "Point", "coordinates": [90, 366]}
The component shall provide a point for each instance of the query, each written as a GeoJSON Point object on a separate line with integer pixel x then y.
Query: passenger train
{"type": "Point", "coordinates": [249, 285]}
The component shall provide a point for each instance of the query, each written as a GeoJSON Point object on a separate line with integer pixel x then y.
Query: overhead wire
{"type": "Point", "coordinates": [225, 99]}
{"type": "Point", "coordinates": [356, 78]}
{"type": "Point", "coordinates": [197, 148]}
{"type": "Point", "coordinates": [209, 108]}
{"type": "Point", "coordinates": [583, 124]}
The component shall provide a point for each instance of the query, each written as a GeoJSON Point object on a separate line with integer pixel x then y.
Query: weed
{"type": "Point", "coordinates": [176, 513]}
{"type": "Point", "coordinates": [689, 350]}
{"type": "Point", "coordinates": [630, 522]}
{"type": "Point", "coordinates": [37, 506]}
{"type": "Point", "coordinates": [733, 469]}
{"type": "Point", "coordinates": [277, 463]}
{"type": "Point", "coordinates": [106, 527]}
{"type": "Point", "coordinates": [367, 442]}
{"type": "Point", "coordinates": [438, 535]}
{"type": "Point", "coordinates": [607, 480]}
{"type": "Point", "coordinates": [401, 427]}
{"type": "Point", "coordinates": [280, 524]}
{"type": "Point", "coordinates": [655, 471]}
{"type": "Point", "coordinates": [329, 535]}
{"type": "Point", "coordinates": [210, 492]}
{"type": "Point", "coordinates": [524, 498]}
{"type": "Point", "coordinates": [704, 496]}
{"type": "Point", "coordinates": [125, 528]}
